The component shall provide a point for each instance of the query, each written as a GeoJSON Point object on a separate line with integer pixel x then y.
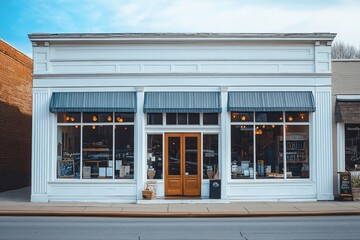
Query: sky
{"type": "Point", "coordinates": [22, 17]}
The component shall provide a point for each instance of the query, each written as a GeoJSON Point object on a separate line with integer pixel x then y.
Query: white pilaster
{"type": "Point", "coordinates": [40, 145]}
{"type": "Point", "coordinates": [224, 143]}
{"type": "Point", "coordinates": [323, 139]}
{"type": "Point", "coordinates": [140, 154]}
{"type": "Point", "coordinates": [340, 149]}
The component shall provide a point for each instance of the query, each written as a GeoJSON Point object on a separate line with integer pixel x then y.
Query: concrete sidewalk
{"type": "Point", "coordinates": [17, 203]}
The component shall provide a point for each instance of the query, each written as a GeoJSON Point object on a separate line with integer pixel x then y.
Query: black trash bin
{"type": "Point", "coordinates": [215, 189]}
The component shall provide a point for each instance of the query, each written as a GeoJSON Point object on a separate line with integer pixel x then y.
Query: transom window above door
{"type": "Point", "coordinates": [182, 119]}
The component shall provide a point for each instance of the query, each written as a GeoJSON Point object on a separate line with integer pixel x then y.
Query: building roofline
{"type": "Point", "coordinates": [346, 60]}
{"type": "Point", "coordinates": [325, 36]}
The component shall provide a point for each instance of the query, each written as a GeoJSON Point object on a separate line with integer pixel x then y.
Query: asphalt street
{"type": "Point", "coordinates": [280, 228]}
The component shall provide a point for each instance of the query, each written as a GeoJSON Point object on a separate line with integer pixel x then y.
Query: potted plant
{"type": "Point", "coordinates": [355, 185]}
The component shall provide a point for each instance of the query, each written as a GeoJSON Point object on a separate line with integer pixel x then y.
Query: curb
{"type": "Point", "coordinates": [174, 214]}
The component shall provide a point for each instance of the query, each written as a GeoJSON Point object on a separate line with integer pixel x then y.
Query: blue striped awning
{"type": "Point", "coordinates": [271, 101]}
{"type": "Point", "coordinates": [182, 102]}
{"type": "Point", "coordinates": [93, 102]}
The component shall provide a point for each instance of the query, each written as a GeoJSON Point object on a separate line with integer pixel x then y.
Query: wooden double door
{"type": "Point", "coordinates": [182, 164]}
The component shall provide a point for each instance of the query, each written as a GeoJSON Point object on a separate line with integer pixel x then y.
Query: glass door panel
{"type": "Point", "coordinates": [174, 156]}
{"type": "Point", "coordinates": [191, 156]}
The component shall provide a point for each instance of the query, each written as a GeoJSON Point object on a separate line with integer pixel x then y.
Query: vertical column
{"type": "Point", "coordinates": [140, 142]}
{"type": "Point", "coordinates": [40, 145]}
{"type": "Point", "coordinates": [323, 144]}
{"type": "Point", "coordinates": [224, 143]}
{"type": "Point", "coordinates": [340, 149]}
{"type": "Point", "coordinates": [340, 146]}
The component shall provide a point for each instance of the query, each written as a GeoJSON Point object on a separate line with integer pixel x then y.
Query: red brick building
{"type": "Point", "coordinates": [15, 118]}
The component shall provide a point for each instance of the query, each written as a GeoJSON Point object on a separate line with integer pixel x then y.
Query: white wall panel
{"type": "Point", "coordinates": [272, 191]}
{"type": "Point", "coordinates": [323, 59]}
{"type": "Point", "coordinates": [92, 192]}
{"type": "Point", "coordinates": [91, 67]}
{"type": "Point", "coordinates": [131, 52]}
{"type": "Point", "coordinates": [41, 60]}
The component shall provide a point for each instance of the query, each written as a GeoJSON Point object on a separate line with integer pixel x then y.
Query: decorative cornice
{"type": "Point", "coordinates": [210, 75]}
{"type": "Point", "coordinates": [171, 37]}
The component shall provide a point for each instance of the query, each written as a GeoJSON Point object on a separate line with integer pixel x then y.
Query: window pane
{"type": "Point", "coordinates": [242, 152]}
{"type": "Point", "coordinates": [171, 118]}
{"type": "Point", "coordinates": [124, 152]}
{"type": "Point", "coordinates": [68, 152]}
{"type": "Point", "coordinates": [154, 118]}
{"type": "Point", "coordinates": [182, 118]}
{"type": "Point", "coordinates": [98, 117]}
{"type": "Point", "coordinates": [97, 151]}
{"type": "Point", "coordinates": [124, 117]}
{"type": "Point", "coordinates": [155, 155]}
{"type": "Point", "coordinates": [242, 117]}
{"type": "Point", "coordinates": [194, 118]}
{"type": "Point", "coordinates": [68, 117]}
{"type": "Point", "coordinates": [210, 118]}
{"type": "Point", "coordinates": [269, 163]}
{"type": "Point", "coordinates": [297, 117]}
{"type": "Point", "coordinates": [297, 151]}
{"type": "Point", "coordinates": [174, 156]}
{"type": "Point", "coordinates": [269, 117]}
{"type": "Point", "coordinates": [210, 156]}
{"type": "Point", "coordinates": [191, 156]}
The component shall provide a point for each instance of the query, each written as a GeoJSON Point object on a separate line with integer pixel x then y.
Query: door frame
{"type": "Point", "coordinates": [185, 185]}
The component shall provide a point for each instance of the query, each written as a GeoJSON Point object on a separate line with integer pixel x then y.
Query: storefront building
{"type": "Point", "coordinates": [115, 112]}
{"type": "Point", "coordinates": [346, 123]}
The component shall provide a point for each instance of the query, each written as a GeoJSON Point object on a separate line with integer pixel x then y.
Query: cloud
{"type": "Point", "coordinates": [234, 16]}
{"type": "Point", "coordinates": [338, 16]}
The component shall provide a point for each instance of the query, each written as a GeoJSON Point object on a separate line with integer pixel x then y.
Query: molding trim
{"type": "Point", "coordinates": [110, 75]}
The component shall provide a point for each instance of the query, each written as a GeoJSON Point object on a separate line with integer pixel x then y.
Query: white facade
{"type": "Point", "coordinates": [181, 62]}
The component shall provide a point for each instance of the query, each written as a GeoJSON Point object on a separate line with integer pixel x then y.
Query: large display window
{"type": "Point", "coordinates": [95, 145]}
{"type": "Point", "coordinates": [155, 156]}
{"type": "Point", "coordinates": [210, 156]}
{"type": "Point", "coordinates": [274, 146]}
{"type": "Point", "coordinates": [352, 147]}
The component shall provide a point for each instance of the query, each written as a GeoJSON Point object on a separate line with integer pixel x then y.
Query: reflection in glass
{"type": "Point", "coordinates": [124, 152]}
{"type": "Point", "coordinates": [191, 156]}
{"type": "Point", "coordinates": [154, 118]}
{"type": "Point", "coordinates": [210, 156]}
{"type": "Point", "coordinates": [297, 151]}
{"type": "Point", "coordinates": [97, 151]}
{"type": "Point", "coordinates": [269, 116]}
{"type": "Point", "coordinates": [154, 156]}
{"type": "Point", "coordinates": [242, 152]}
{"type": "Point", "coordinates": [68, 146]}
{"type": "Point", "coordinates": [174, 155]}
